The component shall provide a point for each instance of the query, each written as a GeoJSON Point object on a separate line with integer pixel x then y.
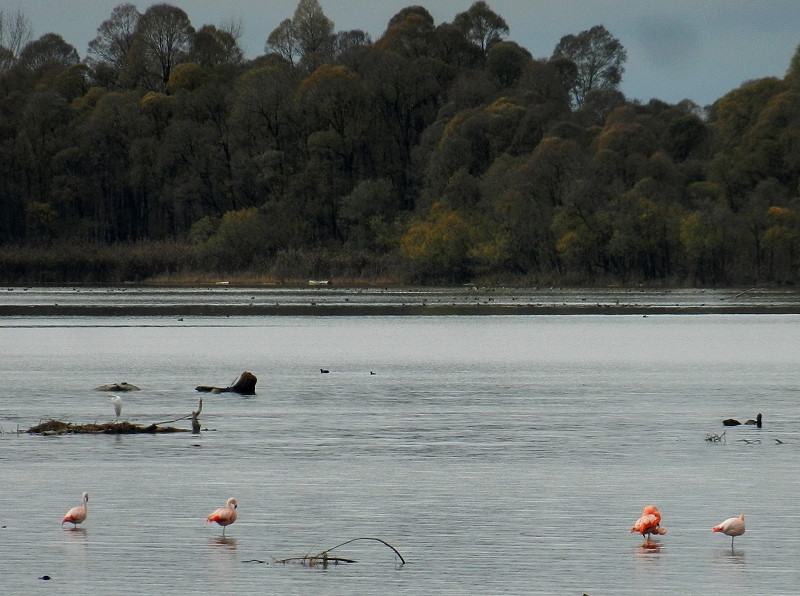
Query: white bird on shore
{"type": "Point", "coordinates": [116, 401]}
{"type": "Point", "coordinates": [733, 527]}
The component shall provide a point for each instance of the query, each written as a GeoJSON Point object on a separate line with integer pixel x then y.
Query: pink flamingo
{"type": "Point", "coordinates": [733, 527]}
{"type": "Point", "coordinates": [649, 523]}
{"type": "Point", "coordinates": [77, 515]}
{"type": "Point", "coordinates": [224, 516]}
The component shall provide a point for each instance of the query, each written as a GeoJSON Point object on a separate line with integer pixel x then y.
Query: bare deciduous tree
{"type": "Point", "coordinates": [15, 33]}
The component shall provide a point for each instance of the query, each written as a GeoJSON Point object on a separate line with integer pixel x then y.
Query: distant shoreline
{"type": "Point", "coordinates": [241, 301]}
{"type": "Point", "coordinates": [399, 310]}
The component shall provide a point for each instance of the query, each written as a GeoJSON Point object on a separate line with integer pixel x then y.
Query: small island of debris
{"type": "Point", "coordinates": [57, 427]}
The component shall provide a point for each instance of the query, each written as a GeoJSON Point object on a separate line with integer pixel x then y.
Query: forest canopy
{"type": "Point", "coordinates": [437, 153]}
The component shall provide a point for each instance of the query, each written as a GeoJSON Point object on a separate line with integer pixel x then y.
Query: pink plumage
{"type": "Point", "coordinates": [649, 523]}
{"type": "Point", "coordinates": [77, 515]}
{"type": "Point", "coordinates": [733, 527]}
{"type": "Point", "coordinates": [224, 516]}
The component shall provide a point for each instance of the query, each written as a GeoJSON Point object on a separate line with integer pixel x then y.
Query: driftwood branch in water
{"type": "Point", "coordinates": [195, 420]}
{"type": "Point", "coordinates": [324, 559]}
{"type": "Point", "coordinates": [321, 559]}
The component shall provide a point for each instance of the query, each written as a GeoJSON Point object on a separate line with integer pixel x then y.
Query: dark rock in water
{"type": "Point", "coordinates": [244, 385]}
{"type": "Point", "coordinates": [731, 422]}
{"type": "Point", "coordinates": [117, 387]}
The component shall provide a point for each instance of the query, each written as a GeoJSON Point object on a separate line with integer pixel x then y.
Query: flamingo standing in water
{"type": "Point", "coordinates": [733, 527]}
{"type": "Point", "coordinates": [77, 515]}
{"type": "Point", "coordinates": [224, 516]}
{"type": "Point", "coordinates": [649, 523]}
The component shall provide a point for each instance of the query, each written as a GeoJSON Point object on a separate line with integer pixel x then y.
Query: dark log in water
{"type": "Point", "coordinates": [244, 385]}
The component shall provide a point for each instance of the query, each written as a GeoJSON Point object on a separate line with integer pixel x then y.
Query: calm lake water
{"type": "Point", "coordinates": [498, 454]}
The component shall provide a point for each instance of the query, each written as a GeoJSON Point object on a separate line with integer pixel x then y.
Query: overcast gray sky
{"type": "Point", "coordinates": [677, 49]}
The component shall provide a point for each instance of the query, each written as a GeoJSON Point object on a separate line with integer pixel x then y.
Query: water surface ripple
{"type": "Point", "coordinates": [498, 454]}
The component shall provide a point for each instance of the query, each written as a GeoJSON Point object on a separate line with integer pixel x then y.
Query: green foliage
{"type": "Point", "coordinates": [306, 39]}
{"type": "Point", "coordinates": [439, 154]}
{"type": "Point", "coordinates": [202, 231]}
{"type": "Point", "coordinates": [507, 61]}
{"type": "Point", "coordinates": [438, 246]}
{"type": "Point", "coordinates": [70, 262]}
{"type": "Point", "coordinates": [241, 241]}
{"type": "Point", "coordinates": [781, 242]}
{"type": "Point", "coordinates": [793, 72]}
{"type": "Point", "coordinates": [41, 220]}
{"type": "Point", "coordinates": [187, 77]}
{"type": "Point", "coordinates": [366, 212]}
{"type": "Point", "coordinates": [645, 235]}
{"type": "Point", "coordinates": [481, 26]}
{"type": "Point", "coordinates": [599, 58]}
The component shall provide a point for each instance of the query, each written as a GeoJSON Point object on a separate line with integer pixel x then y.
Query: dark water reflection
{"type": "Point", "coordinates": [498, 454]}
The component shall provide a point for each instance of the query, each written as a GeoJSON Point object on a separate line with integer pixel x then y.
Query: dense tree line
{"type": "Point", "coordinates": [436, 153]}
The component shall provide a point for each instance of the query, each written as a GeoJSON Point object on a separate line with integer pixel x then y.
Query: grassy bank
{"type": "Point", "coordinates": [171, 263]}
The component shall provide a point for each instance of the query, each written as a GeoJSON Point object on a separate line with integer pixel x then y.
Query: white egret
{"type": "Point", "coordinates": [116, 401]}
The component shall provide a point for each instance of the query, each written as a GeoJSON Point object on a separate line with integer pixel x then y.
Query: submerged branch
{"type": "Point", "coordinates": [176, 420]}
{"type": "Point", "coordinates": [324, 558]}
